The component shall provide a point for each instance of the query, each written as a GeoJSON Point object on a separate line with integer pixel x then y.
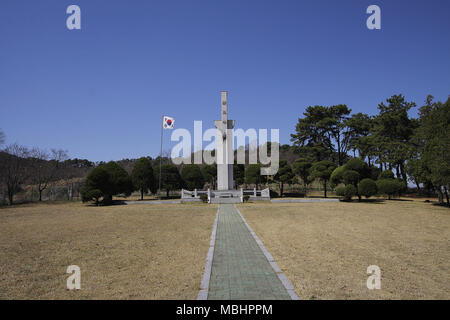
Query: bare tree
{"type": "Point", "coordinates": [13, 167]}
{"type": "Point", "coordinates": [46, 167]}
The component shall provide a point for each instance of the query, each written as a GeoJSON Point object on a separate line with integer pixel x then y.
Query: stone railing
{"type": "Point", "coordinates": [187, 195]}
{"type": "Point", "coordinates": [225, 196]}
{"type": "Point", "coordinates": [257, 194]}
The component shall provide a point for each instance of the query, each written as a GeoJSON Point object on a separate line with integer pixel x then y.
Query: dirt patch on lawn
{"type": "Point", "coordinates": [124, 252]}
{"type": "Point", "coordinates": [325, 248]}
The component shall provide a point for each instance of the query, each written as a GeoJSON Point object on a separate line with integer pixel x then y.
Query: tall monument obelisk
{"type": "Point", "coordinates": [225, 153]}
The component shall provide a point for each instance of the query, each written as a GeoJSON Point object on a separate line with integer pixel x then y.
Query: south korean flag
{"type": "Point", "coordinates": [168, 122]}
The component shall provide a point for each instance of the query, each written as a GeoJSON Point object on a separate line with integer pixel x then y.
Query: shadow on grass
{"type": "Point", "coordinates": [377, 201]}
{"type": "Point", "coordinates": [33, 203]}
{"type": "Point", "coordinates": [445, 205]}
{"type": "Point", "coordinates": [369, 201]}
{"type": "Point", "coordinates": [373, 201]}
{"type": "Point", "coordinates": [100, 204]}
{"type": "Point", "coordinates": [321, 197]}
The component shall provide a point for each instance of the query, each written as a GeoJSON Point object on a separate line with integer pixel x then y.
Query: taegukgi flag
{"type": "Point", "coordinates": [168, 122]}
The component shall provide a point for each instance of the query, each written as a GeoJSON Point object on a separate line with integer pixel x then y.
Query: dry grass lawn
{"type": "Point", "coordinates": [325, 248]}
{"type": "Point", "coordinates": [124, 251]}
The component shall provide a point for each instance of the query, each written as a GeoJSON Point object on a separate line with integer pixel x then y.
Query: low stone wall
{"type": "Point", "coordinates": [259, 198]}
{"type": "Point", "coordinates": [184, 200]}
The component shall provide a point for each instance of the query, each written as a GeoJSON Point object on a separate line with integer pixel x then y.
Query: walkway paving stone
{"type": "Point", "coordinates": [240, 270]}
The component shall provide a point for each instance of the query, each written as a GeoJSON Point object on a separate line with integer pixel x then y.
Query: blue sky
{"type": "Point", "coordinates": [100, 92]}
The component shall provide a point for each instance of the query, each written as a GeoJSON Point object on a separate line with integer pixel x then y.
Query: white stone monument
{"type": "Point", "coordinates": [225, 152]}
{"type": "Point", "coordinates": [225, 192]}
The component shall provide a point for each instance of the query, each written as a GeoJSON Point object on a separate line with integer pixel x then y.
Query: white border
{"type": "Point", "coordinates": [204, 285]}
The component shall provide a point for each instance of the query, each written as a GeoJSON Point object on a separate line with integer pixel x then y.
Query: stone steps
{"type": "Point", "coordinates": [226, 200]}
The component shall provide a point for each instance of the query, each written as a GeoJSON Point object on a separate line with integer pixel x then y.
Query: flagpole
{"type": "Point", "coordinates": [160, 157]}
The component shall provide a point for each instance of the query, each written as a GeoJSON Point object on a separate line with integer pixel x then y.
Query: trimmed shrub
{"type": "Point", "coordinates": [273, 194]}
{"type": "Point", "coordinates": [350, 177]}
{"type": "Point", "coordinates": [336, 176]}
{"type": "Point", "coordinates": [374, 173]}
{"type": "Point", "coordinates": [351, 173]}
{"type": "Point", "coordinates": [340, 191]}
{"type": "Point", "coordinates": [402, 186]}
{"type": "Point", "coordinates": [294, 194]}
{"type": "Point", "coordinates": [204, 197]}
{"type": "Point", "coordinates": [367, 187]}
{"type": "Point", "coordinates": [91, 194]}
{"type": "Point", "coordinates": [346, 192]}
{"type": "Point", "coordinates": [359, 166]}
{"type": "Point", "coordinates": [388, 186]}
{"type": "Point", "coordinates": [387, 174]}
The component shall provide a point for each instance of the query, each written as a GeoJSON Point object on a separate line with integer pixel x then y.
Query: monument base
{"type": "Point", "coordinates": [225, 196]}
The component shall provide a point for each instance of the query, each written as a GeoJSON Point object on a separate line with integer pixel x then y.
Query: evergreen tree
{"type": "Point", "coordinates": [142, 176]}
{"type": "Point", "coordinates": [209, 172]}
{"type": "Point", "coordinates": [238, 174]}
{"type": "Point", "coordinates": [192, 176]}
{"type": "Point", "coordinates": [105, 181]}
{"type": "Point", "coordinates": [432, 142]}
{"type": "Point", "coordinates": [253, 175]}
{"type": "Point", "coordinates": [170, 177]}
{"type": "Point", "coordinates": [284, 175]}
{"type": "Point", "coordinates": [312, 135]}
{"type": "Point", "coordinates": [322, 171]}
{"type": "Point", "coordinates": [392, 132]}
{"type": "Point", "coordinates": [359, 127]}
{"type": "Point", "coordinates": [302, 168]}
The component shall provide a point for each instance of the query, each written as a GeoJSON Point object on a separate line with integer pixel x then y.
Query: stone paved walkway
{"type": "Point", "coordinates": [240, 270]}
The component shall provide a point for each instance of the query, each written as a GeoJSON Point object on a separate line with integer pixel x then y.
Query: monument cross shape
{"type": "Point", "coordinates": [225, 154]}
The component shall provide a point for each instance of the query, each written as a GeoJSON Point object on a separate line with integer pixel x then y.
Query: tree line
{"type": "Point", "coordinates": [337, 147]}
{"type": "Point", "coordinates": [355, 154]}
{"type": "Point", "coordinates": [109, 179]}
{"type": "Point", "coordinates": [20, 165]}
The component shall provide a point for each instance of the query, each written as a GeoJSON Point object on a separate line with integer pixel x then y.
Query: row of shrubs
{"type": "Point", "coordinates": [361, 180]}
{"type": "Point", "coordinates": [368, 187]}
